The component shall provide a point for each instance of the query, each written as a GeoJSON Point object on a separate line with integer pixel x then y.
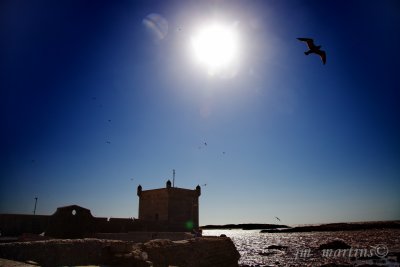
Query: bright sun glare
{"type": "Point", "coordinates": [216, 47]}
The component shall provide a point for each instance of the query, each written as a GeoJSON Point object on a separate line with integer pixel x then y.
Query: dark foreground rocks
{"type": "Point", "coordinates": [10, 263]}
{"type": "Point", "coordinates": [196, 252]}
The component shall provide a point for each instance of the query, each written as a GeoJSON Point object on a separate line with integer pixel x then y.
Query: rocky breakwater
{"type": "Point", "coordinates": [196, 252]}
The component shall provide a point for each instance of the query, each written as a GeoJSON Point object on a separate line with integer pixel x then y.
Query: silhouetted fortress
{"type": "Point", "coordinates": [174, 207]}
{"type": "Point", "coordinates": [169, 209]}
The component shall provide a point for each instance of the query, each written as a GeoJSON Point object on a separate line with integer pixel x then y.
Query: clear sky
{"type": "Point", "coordinates": [100, 96]}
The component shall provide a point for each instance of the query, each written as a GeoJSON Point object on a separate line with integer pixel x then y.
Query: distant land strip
{"type": "Point", "coordinates": [330, 227]}
{"type": "Point", "coordinates": [245, 226]}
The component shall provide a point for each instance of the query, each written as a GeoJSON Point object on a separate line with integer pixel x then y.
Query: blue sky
{"type": "Point", "coordinates": [305, 142]}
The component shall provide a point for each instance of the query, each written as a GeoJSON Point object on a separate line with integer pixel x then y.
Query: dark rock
{"type": "Point", "coordinates": [336, 244]}
{"type": "Point", "coordinates": [394, 256]}
{"type": "Point", "coordinates": [371, 257]}
{"type": "Point", "coordinates": [277, 247]}
{"type": "Point", "coordinates": [267, 253]}
{"type": "Point", "coordinates": [335, 265]}
{"type": "Point", "coordinates": [369, 265]}
{"type": "Point", "coordinates": [197, 252]}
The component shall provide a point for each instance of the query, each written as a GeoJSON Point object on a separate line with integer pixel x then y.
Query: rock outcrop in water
{"type": "Point", "coordinates": [196, 252]}
{"type": "Point", "coordinates": [335, 244]}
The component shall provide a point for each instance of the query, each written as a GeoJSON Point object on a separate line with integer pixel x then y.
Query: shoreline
{"type": "Point", "coordinates": [327, 227]}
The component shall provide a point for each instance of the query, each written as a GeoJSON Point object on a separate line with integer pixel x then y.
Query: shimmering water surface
{"type": "Point", "coordinates": [301, 249]}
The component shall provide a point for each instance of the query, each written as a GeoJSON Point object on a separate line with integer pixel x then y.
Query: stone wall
{"type": "Point", "coordinates": [183, 209]}
{"type": "Point", "coordinates": [117, 225]}
{"type": "Point", "coordinates": [67, 222]}
{"type": "Point", "coordinates": [16, 224]}
{"type": "Point", "coordinates": [144, 236]}
{"type": "Point", "coordinates": [196, 252]}
{"type": "Point", "coordinates": [65, 252]}
{"type": "Point", "coordinates": [153, 205]}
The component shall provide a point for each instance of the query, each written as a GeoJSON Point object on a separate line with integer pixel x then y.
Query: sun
{"type": "Point", "coordinates": [216, 47]}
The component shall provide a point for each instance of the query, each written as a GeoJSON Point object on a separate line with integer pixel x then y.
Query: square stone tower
{"type": "Point", "coordinates": [176, 209]}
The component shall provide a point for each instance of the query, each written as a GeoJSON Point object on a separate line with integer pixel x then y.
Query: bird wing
{"type": "Point", "coordinates": [322, 55]}
{"type": "Point", "coordinates": [309, 41]}
{"type": "Point", "coordinates": [305, 39]}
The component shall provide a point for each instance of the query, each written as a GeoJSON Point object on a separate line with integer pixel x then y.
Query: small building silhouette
{"type": "Point", "coordinates": [172, 208]}
{"type": "Point", "coordinates": [70, 222]}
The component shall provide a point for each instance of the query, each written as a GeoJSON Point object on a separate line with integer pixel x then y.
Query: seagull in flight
{"type": "Point", "coordinates": [313, 48]}
{"type": "Point", "coordinates": [277, 218]}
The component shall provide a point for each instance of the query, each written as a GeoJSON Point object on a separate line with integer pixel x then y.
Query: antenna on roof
{"type": "Point", "coordinates": [34, 209]}
{"type": "Point", "coordinates": [173, 178]}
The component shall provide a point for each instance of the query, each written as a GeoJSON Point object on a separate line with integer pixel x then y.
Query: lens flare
{"type": "Point", "coordinates": [156, 26]}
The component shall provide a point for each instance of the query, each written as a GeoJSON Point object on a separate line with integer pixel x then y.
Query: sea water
{"type": "Point", "coordinates": [374, 247]}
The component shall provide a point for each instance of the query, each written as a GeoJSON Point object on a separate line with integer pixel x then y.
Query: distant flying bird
{"type": "Point", "coordinates": [204, 185]}
{"type": "Point", "coordinates": [109, 120]}
{"type": "Point", "coordinates": [108, 142]}
{"type": "Point", "coordinates": [223, 152]}
{"type": "Point", "coordinates": [313, 48]}
{"type": "Point", "coordinates": [205, 143]}
{"type": "Point", "coordinates": [277, 218]}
